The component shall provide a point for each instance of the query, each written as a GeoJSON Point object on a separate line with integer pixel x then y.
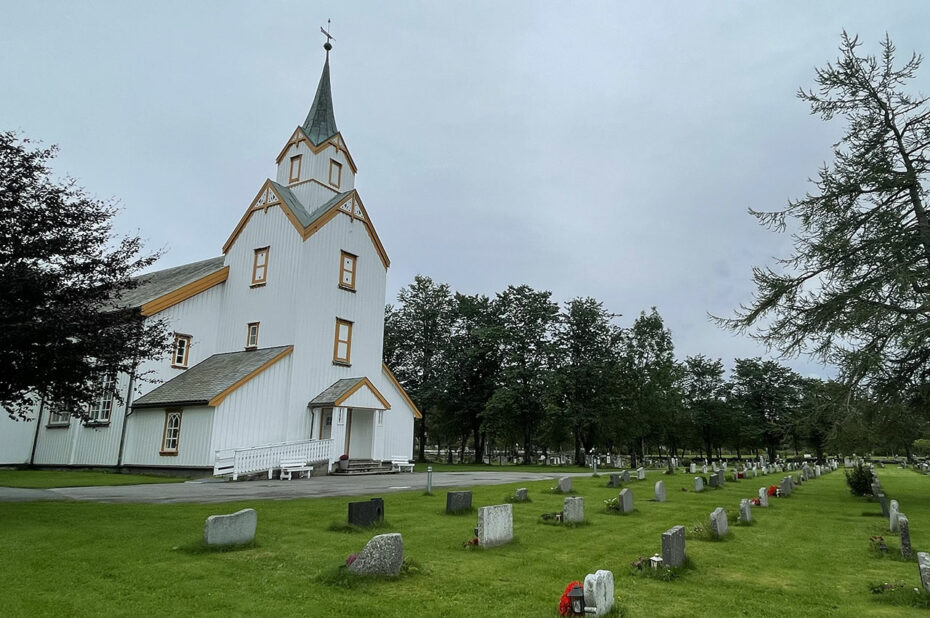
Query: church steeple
{"type": "Point", "coordinates": [320, 124]}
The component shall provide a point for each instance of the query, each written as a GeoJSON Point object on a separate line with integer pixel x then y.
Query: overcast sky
{"type": "Point", "coordinates": [605, 149]}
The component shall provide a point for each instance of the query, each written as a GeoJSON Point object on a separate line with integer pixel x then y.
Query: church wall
{"type": "Point", "coordinates": [145, 432]}
{"type": "Point", "coordinates": [398, 422]}
{"type": "Point", "coordinates": [316, 166]}
{"type": "Point", "coordinates": [16, 438]}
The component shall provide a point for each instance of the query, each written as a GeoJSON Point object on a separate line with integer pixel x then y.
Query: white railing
{"type": "Point", "coordinates": [254, 459]}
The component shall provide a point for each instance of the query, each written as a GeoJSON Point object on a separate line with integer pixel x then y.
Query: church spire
{"type": "Point", "coordinates": [320, 124]}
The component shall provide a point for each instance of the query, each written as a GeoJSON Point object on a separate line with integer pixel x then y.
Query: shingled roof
{"type": "Point", "coordinates": [208, 382]}
{"type": "Point", "coordinates": [320, 124]}
{"type": "Point", "coordinates": [156, 284]}
{"type": "Point", "coordinates": [306, 218]}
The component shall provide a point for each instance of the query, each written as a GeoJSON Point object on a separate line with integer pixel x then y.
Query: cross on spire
{"type": "Point", "coordinates": [327, 45]}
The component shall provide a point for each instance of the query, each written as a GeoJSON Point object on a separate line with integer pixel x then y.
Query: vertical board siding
{"type": "Point", "coordinates": [144, 435]}
{"type": "Point", "coordinates": [16, 437]}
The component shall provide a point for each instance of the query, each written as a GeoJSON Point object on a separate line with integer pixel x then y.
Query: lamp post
{"type": "Point", "coordinates": [429, 479]}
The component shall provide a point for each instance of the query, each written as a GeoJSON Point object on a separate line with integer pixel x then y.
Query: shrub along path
{"type": "Point", "coordinates": [807, 555]}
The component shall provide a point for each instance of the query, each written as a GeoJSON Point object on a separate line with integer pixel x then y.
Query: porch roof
{"type": "Point", "coordinates": [341, 391]}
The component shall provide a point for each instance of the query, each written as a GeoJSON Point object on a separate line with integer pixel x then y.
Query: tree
{"type": "Point", "coordinates": [856, 291]}
{"type": "Point", "coordinates": [62, 275]}
{"type": "Point", "coordinates": [766, 393]}
{"type": "Point", "coordinates": [416, 342]}
{"type": "Point", "coordinates": [704, 391]}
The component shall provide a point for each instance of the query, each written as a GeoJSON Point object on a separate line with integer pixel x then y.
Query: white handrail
{"type": "Point", "coordinates": [251, 459]}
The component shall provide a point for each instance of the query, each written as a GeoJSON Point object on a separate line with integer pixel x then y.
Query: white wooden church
{"type": "Point", "coordinates": [277, 346]}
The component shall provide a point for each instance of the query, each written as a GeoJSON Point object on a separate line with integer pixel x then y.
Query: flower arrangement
{"type": "Point", "coordinates": [565, 604]}
{"type": "Point", "coordinates": [772, 490]}
{"type": "Point", "coordinates": [470, 543]}
{"type": "Point", "coordinates": [878, 543]}
{"type": "Point", "coordinates": [350, 559]}
{"type": "Point", "coordinates": [756, 502]}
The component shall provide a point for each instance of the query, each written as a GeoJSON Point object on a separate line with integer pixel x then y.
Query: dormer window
{"type": "Point", "coordinates": [335, 173]}
{"type": "Point", "coordinates": [260, 266]}
{"type": "Point", "coordinates": [347, 271]}
{"type": "Point", "coordinates": [251, 337]}
{"type": "Point", "coordinates": [295, 168]}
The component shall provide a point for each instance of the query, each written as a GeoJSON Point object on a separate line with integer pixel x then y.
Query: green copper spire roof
{"type": "Point", "coordinates": [320, 124]}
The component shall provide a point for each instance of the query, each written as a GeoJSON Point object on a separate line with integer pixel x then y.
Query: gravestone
{"type": "Point", "coordinates": [763, 496]}
{"type": "Point", "coordinates": [693, 468]}
{"type": "Point", "coordinates": [367, 513]}
{"type": "Point", "coordinates": [625, 476]}
{"type": "Point", "coordinates": [565, 484]}
{"type": "Point", "coordinates": [660, 491]}
{"type": "Point", "coordinates": [626, 501]}
{"type": "Point", "coordinates": [884, 504]}
{"type": "Point", "coordinates": [704, 469]}
{"type": "Point", "coordinates": [904, 530]}
{"type": "Point", "coordinates": [786, 486]}
{"type": "Point", "coordinates": [714, 466]}
{"type": "Point", "coordinates": [698, 484]}
{"type": "Point", "coordinates": [714, 480]}
{"type": "Point", "coordinates": [735, 475]}
{"type": "Point", "coordinates": [673, 546]}
{"type": "Point", "coordinates": [495, 525]}
{"type": "Point", "coordinates": [923, 565]}
{"type": "Point", "coordinates": [598, 593]}
{"type": "Point", "coordinates": [573, 510]}
{"type": "Point", "coordinates": [234, 529]}
{"type": "Point", "coordinates": [382, 555]}
{"type": "Point", "coordinates": [718, 522]}
{"type": "Point", "coordinates": [458, 501]}
{"type": "Point", "coordinates": [893, 509]}
{"type": "Point", "coordinates": [521, 495]}
{"type": "Point", "coordinates": [641, 474]}
{"type": "Point", "coordinates": [745, 511]}
{"type": "Point", "coordinates": [614, 480]}
{"type": "Point", "coordinates": [720, 477]}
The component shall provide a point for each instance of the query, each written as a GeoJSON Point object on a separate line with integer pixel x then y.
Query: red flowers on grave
{"type": "Point", "coordinates": [756, 502]}
{"type": "Point", "coordinates": [471, 543]}
{"type": "Point", "coordinates": [350, 559]}
{"type": "Point", "coordinates": [565, 604]}
{"type": "Point", "coordinates": [772, 490]}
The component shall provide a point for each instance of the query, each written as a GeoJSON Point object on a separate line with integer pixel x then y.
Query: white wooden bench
{"type": "Point", "coordinates": [290, 466]}
{"type": "Point", "coordinates": [401, 464]}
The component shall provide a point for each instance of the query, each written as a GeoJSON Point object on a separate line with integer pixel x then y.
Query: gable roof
{"type": "Point", "coordinates": [156, 291]}
{"type": "Point", "coordinates": [341, 390]}
{"type": "Point", "coordinates": [308, 223]}
{"type": "Point", "coordinates": [210, 381]}
{"type": "Point", "coordinates": [390, 374]}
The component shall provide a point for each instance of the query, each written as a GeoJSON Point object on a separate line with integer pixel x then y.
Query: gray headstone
{"type": "Point", "coordinates": [599, 593]}
{"type": "Point", "coordinates": [735, 475]}
{"type": "Point", "coordinates": [884, 504]}
{"type": "Point", "coordinates": [704, 469]}
{"type": "Point", "coordinates": [565, 484]}
{"type": "Point", "coordinates": [366, 513]}
{"type": "Point", "coordinates": [763, 496]}
{"type": "Point", "coordinates": [521, 494]}
{"type": "Point", "coordinates": [625, 476]}
{"type": "Point", "coordinates": [923, 564]}
{"type": "Point", "coordinates": [626, 501]}
{"type": "Point", "coordinates": [786, 486]}
{"type": "Point", "coordinates": [458, 501]}
{"type": "Point", "coordinates": [614, 480]}
{"type": "Point", "coordinates": [660, 491]}
{"type": "Point", "coordinates": [382, 555]}
{"type": "Point", "coordinates": [234, 529]}
{"type": "Point", "coordinates": [698, 484]}
{"type": "Point", "coordinates": [745, 511]}
{"type": "Point", "coordinates": [495, 525]}
{"type": "Point", "coordinates": [714, 480]}
{"type": "Point", "coordinates": [904, 530]}
{"type": "Point", "coordinates": [718, 522]}
{"type": "Point", "coordinates": [693, 468]}
{"type": "Point", "coordinates": [673, 546]}
{"type": "Point", "coordinates": [573, 510]}
{"type": "Point", "coordinates": [641, 473]}
{"type": "Point", "coordinates": [720, 477]}
{"type": "Point", "coordinates": [893, 509]}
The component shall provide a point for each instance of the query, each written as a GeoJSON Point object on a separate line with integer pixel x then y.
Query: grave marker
{"type": "Point", "coordinates": [893, 516]}
{"type": "Point", "coordinates": [565, 484]}
{"type": "Point", "coordinates": [923, 565]}
{"type": "Point", "coordinates": [904, 530]}
{"type": "Point", "coordinates": [626, 501]}
{"type": "Point", "coordinates": [763, 496]}
{"type": "Point", "coordinates": [573, 510]}
{"type": "Point", "coordinates": [660, 491]}
{"type": "Point", "coordinates": [598, 593]}
{"type": "Point", "coordinates": [745, 511]}
{"type": "Point", "coordinates": [366, 513]}
{"type": "Point", "coordinates": [718, 522]}
{"type": "Point", "coordinates": [382, 555]}
{"type": "Point", "coordinates": [673, 546]}
{"type": "Point", "coordinates": [698, 484]}
{"type": "Point", "coordinates": [495, 525]}
{"type": "Point", "coordinates": [458, 501]}
{"type": "Point", "coordinates": [234, 529]}
{"type": "Point", "coordinates": [641, 473]}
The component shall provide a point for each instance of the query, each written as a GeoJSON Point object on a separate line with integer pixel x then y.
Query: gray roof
{"type": "Point", "coordinates": [159, 283]}
{"type": "Point", "coordinates": [334, 392]}
{"type": "Point", "coordinates": [207, 379]}
{"type": "Point", "coordinates": [306, 218]}
{"type": "Point", "coordinates": [320, 124]}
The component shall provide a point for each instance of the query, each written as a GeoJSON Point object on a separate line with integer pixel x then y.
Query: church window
{"type": "Point", "coordinates": [59, 417]}
{"type": "Point", "coordinates": [260, 266]}
{"type": "Point", "coordinates": [295, 168]}
{"type": "Point", "coordinates": [342, 346]}
{"type": "Point", "coordinates": [182, 346]}
{"type": "Point", "coordinates": [251, 339]}
{"type": "Point", "coordinates": [347, 271]}
{"type": "Point", "coordinates": [171, 436]}
{"type": "Point", "coordinates": [335, 173]}
{"type": "Point", "coordinates": [99, 411]}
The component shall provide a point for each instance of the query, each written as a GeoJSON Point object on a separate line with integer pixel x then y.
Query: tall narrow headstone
{"type": "Point", "coordinates": [599, 593]}
{"type": "Point", "coordinates": [693, 468]}
{"type": "Point", "coordinates": [718, 522]}
{"type": "Point", "coordinates": [904, 530]}
{"type": "Point", "coordinates": [880, 496]}
{"type": "Point", "coordinates": [923, 565]}
{"type": "Point", "coordinates": [698, 484]}
{"type": "Point", "coordinates": [763, 496]}
{"type": "Point", "coordinates": [786, 486]}
{"type": "Point", "coordinates": [720, 477]}
{"type": "Point", "coordinates": [745, 511]}
{"type": "Point", "coordinates": [495, 525]}
{"type": "Point", "coordinates": [673, 546]}
{"type": "Point", "coordinates": [893, 509]}
{"type": "Point", "coordinates": [660, 491]}
{"type": "Point", "coordinates": [704, 469]}
{"type": "Point", "coordinates": [626, 501]}
{"type": "Point", "coordinates": [573, 510]}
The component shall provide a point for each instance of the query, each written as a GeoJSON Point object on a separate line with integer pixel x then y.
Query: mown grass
{"type": "Point", "coordinates": [807, 555]}
{"type": "Point", "coordinates": [45, 479]}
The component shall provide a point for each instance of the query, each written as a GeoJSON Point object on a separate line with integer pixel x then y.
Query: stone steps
{"type": "Point", "coordinates": [358, 467]}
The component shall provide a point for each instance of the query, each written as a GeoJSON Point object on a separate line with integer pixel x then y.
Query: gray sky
{"type": "Point", "coordinates": [605, 149]}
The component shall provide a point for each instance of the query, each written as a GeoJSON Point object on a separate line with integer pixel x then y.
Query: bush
{"type": "Point", "coordinates": [859, 480]}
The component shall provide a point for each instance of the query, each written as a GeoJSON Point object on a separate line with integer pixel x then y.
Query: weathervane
{"type": "Point", "coordinates": [327, 45]}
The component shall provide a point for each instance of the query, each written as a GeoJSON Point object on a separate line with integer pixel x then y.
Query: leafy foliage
{"type": "Point", "coordinates": [859, 479]}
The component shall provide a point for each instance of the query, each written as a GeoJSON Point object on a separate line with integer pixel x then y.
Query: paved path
{"type": "Point", "coordinates": [316, 487]}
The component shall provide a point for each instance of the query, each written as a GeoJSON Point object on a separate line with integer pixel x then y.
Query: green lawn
{"type": "Point", "coordinates": [43, 479]}
{"type": "Point", "coordinates": [507, 467]}
{"type": "Point", "coordinates": [807, 555]}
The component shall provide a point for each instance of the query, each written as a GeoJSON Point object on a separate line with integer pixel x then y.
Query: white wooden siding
{"type": "Point", "coordinates": [16, 438]}
{"type": "Point", "coordinates": [315, 166]}
{"type": "Point", "coordinates": [144, 435]}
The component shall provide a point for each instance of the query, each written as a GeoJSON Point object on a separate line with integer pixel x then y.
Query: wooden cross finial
{"type": "Point", "coordinates": [327, 46]}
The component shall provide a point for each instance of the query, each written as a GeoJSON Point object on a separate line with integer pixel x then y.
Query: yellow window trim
{"type": "Point", "coordinates": [291, 176]}
{"type": "Point", "coordinates": [403, 393]}
{"type": "Point", "coordinates": [219, 398]}
{"type": "Point", "coordinates": [348, 341]}
{"type": "Point", "coordinates": [184, 292]}
{"type": "Point", "coordinates": [335, 141]}
{"type": "Point", "coordinates": [342, 269]}
{"type": "Point", "coordinates": [354, 389]}
{"type": "Point", "coordinates": [256, 266]}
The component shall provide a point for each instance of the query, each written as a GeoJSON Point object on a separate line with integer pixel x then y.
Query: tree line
{"type": "Point", "coordinates": [519, 373]}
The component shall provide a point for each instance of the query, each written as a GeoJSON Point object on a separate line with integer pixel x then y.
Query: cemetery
{"type": "Point", "coordinates": [407, 554]}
